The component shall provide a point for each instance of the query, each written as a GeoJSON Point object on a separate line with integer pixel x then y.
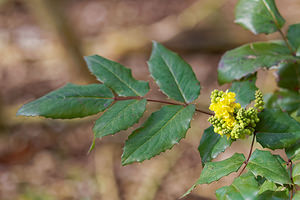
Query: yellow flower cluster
{"type": "Point", "coordinates": [230, 119]}
{"type": "Point", "coordinates": [224, 106]}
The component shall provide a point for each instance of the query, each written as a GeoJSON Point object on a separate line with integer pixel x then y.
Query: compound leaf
{"type": "Point", "coordinates": [213, 171]}
{"type": "Point", "coordinates": [173, 75]}
{"type": "Point", "coordinates": [70, 101]}
{"type": "Point", "coordinates": [116, 76]}
{"type": "Point", "coordinates": [263, 163]}
{"type": "Point", "coordinates": [244, 90]}
{"type": "Point", "coordinates": [212, 144]}
{"type": "Point", "coordinates": [277, 130]}
{"type": "Point", "coordinates": [162, 130]}
{"type": "Point", "coordinates": [242, 188]}
{"type": "Point", "coordinates": [248, 58]}
{"type": "Point", "coordinates": [258, 16]}
{"type": "Point", "coordinates": [120, 116]}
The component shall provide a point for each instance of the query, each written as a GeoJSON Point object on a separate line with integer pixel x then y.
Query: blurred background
{"type": "Point", "coordinates": [42, 43]}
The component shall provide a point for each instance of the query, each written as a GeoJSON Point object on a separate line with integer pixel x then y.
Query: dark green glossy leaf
{"type": "Point", "coordinates": [116, 76]}
{"type": "Point", "coordinates": [212, 144]}
{"type": "Point", "coordinates": [277, 130]}
{"type": "Point", "coordinates": [296, 174]}
{"type": "Point", "coordinates": [70, 101]}
{"type": "Point", "coordinates": [248, 58]}
{"type": "Point", "coordinates": [293, 35]}
{"type": "Point", "coordinates": [162, 130]}
{"type": "Point", "coordinates": [120, 116]}
{"type": "Point", "coordinates": [263, 163]}
{"type": "Point", "coordinates": [173, 75]}
{"type": "Point", "coordinates": [258, 16]}
{"type": "Point", "coordinates": [213, 171]}
{"type": "Point", "coordinates": [244, 90]}
{"type": "Point", "coordinates": [243, 188]}
{"type": "Point", "coordinates": [287, 100]}
{"type": "Point", "coordinates": [289, 76]}
{"type": "Point", "coordinates": [273, 195]}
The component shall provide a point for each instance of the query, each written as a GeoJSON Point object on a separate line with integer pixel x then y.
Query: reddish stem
{"type": "Point", "coordinates": [250, 153]}
{"type": "Point", "coordinates": [161, 101]}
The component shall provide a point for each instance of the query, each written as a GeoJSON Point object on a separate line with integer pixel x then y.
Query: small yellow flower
{"type": "Point", "coordinates": [224, 108]}
{"type": "Point", "coordinates": [230, 119]}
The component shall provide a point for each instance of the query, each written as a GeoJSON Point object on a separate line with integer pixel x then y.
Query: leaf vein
{"type": "Point", "coordinates": [156, 131]}
{"type": "Point", "coordinates": [117, 76]}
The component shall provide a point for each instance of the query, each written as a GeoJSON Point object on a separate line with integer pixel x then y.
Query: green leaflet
{"type": "Point", "coordinates": [287, 100]}
{"type": "Point", "coordinates": [273, 195]}
{"type": "Point", "coordinates": [211, 145]}
{"type": "Point", "coordinates": [248, 58]}
{"type": "Point", "coordinates": [296, 174]}
{"type": "Point", "coordinates": [277, 130]}
{"type": "Point", "coordinates": [280, 159]}
{"type": "Point", "coordinates": [120, 116]}
{"type": "Point", "coordinates": [293, 35]}
{"type": "Point", "coordinates": [289, 76]}
{"type": "Point", "coordinates": [162, 130]}
{"type": "Point", "coordinates": [173, 75]}
{"type": "Point", "coordinates": [213, 171]}
{"type": "Point", "coordinates": [293, 152]}
{"type": "Point", "coordinates": [258, 16]}
{"type": "Point", "coordinates": [263, 163]}
{"type": "Point", "coordinates": [244, 90]}
{"type": "Point", "coordinates": [242, 188]}
{"type": "Point", "coordinates": [116, 76]}
{"type": "Point", "coordinates": [70, 101]}
{"type": "Point", "coordinates": [267, 185]}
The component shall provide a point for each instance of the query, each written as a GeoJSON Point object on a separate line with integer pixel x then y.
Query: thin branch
{"type": "Point", "coordinates": [279, 29]}
{"type": "Point", "coordinates": [165, 102]}
{"type": "Point", "coordinates": [286, 41]}
{"type": "Point", "coordinates": [117, 98]}
{"type": "Point", "coordinates": [204, 112]}
{"type": "Point", "coordinates": [161, 101]}
{"type": "Point", "coordinates": [250, 153]}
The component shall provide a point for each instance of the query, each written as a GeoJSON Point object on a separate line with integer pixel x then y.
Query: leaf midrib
{"type": "Point", "coordinates": [116, 75]}
{"type": "Point", "coordinates": [76, 97]}
{"type": "Point", "coordinates": [272, 14]}
{"type": "Point", "coordinates": [176, 81]}
{"type": "Point", "coordinates": [156, 132]}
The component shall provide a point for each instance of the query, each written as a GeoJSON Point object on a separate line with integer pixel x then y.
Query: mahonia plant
{"type": "Point", "coordinates": [273, 124]}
